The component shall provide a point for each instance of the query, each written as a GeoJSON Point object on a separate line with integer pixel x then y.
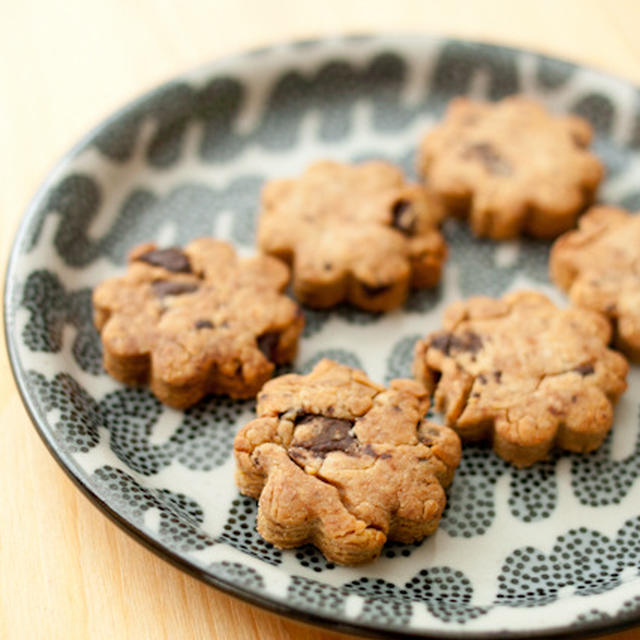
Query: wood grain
{"type": "Point", "coordinates": [65, 570]}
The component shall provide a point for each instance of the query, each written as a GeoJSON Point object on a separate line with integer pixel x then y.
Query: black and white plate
{"type": "Point", "coordinates": [550, 550]}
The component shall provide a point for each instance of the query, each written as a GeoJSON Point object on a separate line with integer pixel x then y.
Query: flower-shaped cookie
{"type": "Point", "coordinates": [511, 167]}
{"type": "Point", "coordinates": [356, 233]}
{"type": "Point", "coordinates": [196, 321]}
{"type": "Point", "coordinates": [599, 265]}
{"type": "Point", "coordinates": [524, 374]}
{"type": "Point", "coordinates": [343, 463]}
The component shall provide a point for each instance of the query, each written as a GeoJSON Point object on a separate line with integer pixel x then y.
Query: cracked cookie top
{"type": "Point", "coordinates": [343, 463]}
{"type": "Point", "coordinates": [356, 233]}
{"type": "Point", "coordinates": [196, 320]}
{"type": "Point", "coordinates": [523, 374]}
{"type": "Point", "coordinates": [599, 266]}
{"type": "Point", "coordinates": [511, 167]}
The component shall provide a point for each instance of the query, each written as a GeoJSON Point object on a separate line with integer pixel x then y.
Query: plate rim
{"type": "Point", "coordinates": [587, 629]}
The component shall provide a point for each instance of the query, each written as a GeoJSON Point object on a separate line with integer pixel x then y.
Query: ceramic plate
{"type": "Point", "coordinates": [550, 550]}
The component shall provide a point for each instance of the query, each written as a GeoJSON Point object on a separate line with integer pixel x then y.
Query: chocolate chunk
{"type": "Point", "coordinates": [375, 290]}
{"type": "Point", "coordinates": [441, 342]}
{"type": "Point", "coordinates": [489, 157]}
{"type": "Point", "coordinates": [204, 324]}
{"type": "Point", "coordinates": [163, 288]}
{"type": "Point", "coordinates": [584, 369]}
{"type": "Point", "coordinates": [331, 435]}
{"type": "Point", "coordinates": [469, 341]}
{"type": "Point", "coordinates": [171, 259]}
{"type": "Point", "coordinates": [268, 344]}
{"type": "Point", "coordinates": [403, 217]}
{"type": "Point", "coordinates": [446, 342]}
{"type": "Point", "coordinates": [497, 375]}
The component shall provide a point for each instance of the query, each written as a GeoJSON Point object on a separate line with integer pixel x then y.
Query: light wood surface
{"type": "Point", "coordinates": [65, 570]}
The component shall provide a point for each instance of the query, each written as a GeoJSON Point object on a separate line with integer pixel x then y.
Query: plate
{"type": "Point", "coordinates": [550, 550]}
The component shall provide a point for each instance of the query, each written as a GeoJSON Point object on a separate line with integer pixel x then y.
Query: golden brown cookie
{"type": "Point", "coordinates": [511, 167]}
{"type": "Point", "coordinates": [356, 233]}
{"type": "Point", "coordinates": [523, 374]}
{"type": "Point", "coordinates": [599, 266]}
{"type": "Point", "coordinates": [343, 463]}
{"type": "Point", "coordinates": [196, 321]}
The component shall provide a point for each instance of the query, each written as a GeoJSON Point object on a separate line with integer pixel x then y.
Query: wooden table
{"type": "Point", "coordinates": [65, 570]}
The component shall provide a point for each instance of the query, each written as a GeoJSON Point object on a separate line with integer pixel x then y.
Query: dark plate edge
{"type": "Point", "coordinates": [586, 630]}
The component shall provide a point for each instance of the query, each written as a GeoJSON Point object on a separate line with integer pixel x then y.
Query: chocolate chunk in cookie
{"type": "Point", "coordinates": [344, 464]}
{"type": "Point", "coordinates": [355, 233]}
{"type": "Point", "coordinates": [511, 167]}
{"type": "Point", "coordinates": [599, 266]}
{"type": "Point", "coordinates": [171, 259]}
{"type": "Point", "coordinates": [197, 321]}
{"type": "Point", "coordinates": [523, 374]}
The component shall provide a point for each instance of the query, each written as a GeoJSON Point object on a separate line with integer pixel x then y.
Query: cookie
{"type": "Point", "coordinates": [524, 374]}
{"type": "Point", "coordinates": [196, 321]}
{"type": "Point", "coordinates": [343, 463]}
{"type": "Point", "coordinates": [599, 266]}
{"type": "Point", "coordinates": [511, 167]}
{"type": "Point", "coordinates": [355, 233]}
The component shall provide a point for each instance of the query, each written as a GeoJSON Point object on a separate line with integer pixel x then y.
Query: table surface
{"type": "Point", "coordinates": [66, 570]}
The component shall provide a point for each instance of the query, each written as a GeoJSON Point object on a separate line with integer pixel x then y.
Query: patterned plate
{"type": "Point", "coordinates": [550, 550]}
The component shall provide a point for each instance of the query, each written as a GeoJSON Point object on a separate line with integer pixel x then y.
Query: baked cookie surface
{"type": "Point", "coordinates": [356, 233]}
{"type": "Point", "coordinates": [524, 374]}
{"type": "Point", "coordinates": [343, 463]}
{"type": "Point", "coordinates": [511, 167]}
{"type": "Point", "coordinates": [599, 266]}
{"type": "Point", "coordinates": [196, 321]}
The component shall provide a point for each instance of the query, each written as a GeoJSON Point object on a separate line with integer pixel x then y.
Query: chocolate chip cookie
{"type": "Point", "coordinates": [523, 374]}
{"type": "Point", "coordinates": [355, 233]}
{"type": "Point", "coordinates": [511, 167]}
{"type": "Point", "coordinates": [196, 321]}
{"type": "Point", "coordinates": [343, 463]}
{"type": "Point", "coordinates": [599, 266]}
